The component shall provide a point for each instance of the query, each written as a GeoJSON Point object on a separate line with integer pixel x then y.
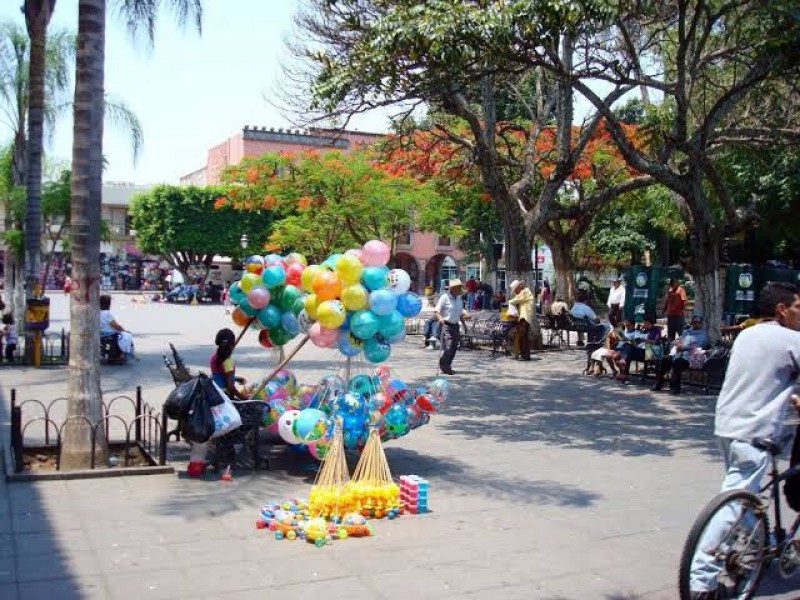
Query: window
{"type": "Point", "coordinates": [474, 271]}
{"type": "Point", "coordinates": [444, 241]}
{"type": "Point", "coordinates": [404, 239]}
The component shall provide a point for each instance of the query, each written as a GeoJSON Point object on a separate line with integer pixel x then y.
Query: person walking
{"type": "Point", "coordinates": [616, 301]}
{"type": "Point", "coordinates": [674, 305]}
{"type": "Point", "coordinates": [450, 313]}
{"type": "Point", "coordinates": [472, 289]}
{"type": "Point", "coordinates": [755, 398]}
{"type": "Point", "coordinates": [523, 301]}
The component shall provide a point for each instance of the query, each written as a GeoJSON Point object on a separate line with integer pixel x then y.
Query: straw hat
{"type": "Point", "coordinates": [455, 283]}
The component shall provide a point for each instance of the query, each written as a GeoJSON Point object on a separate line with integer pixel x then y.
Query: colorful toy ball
{"type": "Point", "coordinates": [310, 426]}
{"type": "Point", "coordinates": [254, 264]}
{"type": "Point", "coordinates": [375, 253]}
{"type": "Point", "coordinates": [286, 427]}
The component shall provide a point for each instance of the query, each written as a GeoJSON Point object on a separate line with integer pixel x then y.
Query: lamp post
{"type": "Point", "coordinates": [244, 241]}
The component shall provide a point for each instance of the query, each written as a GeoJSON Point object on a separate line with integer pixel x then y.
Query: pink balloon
{"type": "Point", "coordinates": [258, 297]}
{"type": "Point", "coordinates": [322, 336]}
{"type": "Point", "coordinates": [375, 253]}
{"type": "Point", "coordinates": [355, 252]}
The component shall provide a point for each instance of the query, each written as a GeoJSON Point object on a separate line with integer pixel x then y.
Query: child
{"type": "Point", "coordinates": [226, 298]}
{"type": "Point", "coordinates": [10, 336]}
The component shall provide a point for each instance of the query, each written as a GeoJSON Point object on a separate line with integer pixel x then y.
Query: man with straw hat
{"type": "Point", "coordinates": [450, 312]}
{"type": "Point", "coordinates": [523, 301]}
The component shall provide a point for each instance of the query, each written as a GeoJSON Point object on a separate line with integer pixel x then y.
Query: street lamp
{"type": "Point", "coordinates": [244, 241]}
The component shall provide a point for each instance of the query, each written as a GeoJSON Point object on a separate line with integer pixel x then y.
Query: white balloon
{"type": "Point", "coordinates": [399, 281]}
{"type": "Point", "coordinates": [304, 321]}
{"type": "Point", "coordinates": [285, 427]}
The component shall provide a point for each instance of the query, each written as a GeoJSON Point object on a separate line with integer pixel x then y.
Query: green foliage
{"type": "Point", "coordinates": [184, 225]}
{"type": "Point", "coordinates": [56, 197]}
{"type": "Point", "coordinates": [330, 202]}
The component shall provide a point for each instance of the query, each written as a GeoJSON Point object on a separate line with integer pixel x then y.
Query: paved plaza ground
{"type": "Point", "coordinates": [545, 484]}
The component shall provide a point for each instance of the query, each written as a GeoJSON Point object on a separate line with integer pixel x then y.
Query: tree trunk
{"type": "Point", "coordinates": [84, 398]}
{"type": "Point", "coordinates": [705, 269]}
{"type": "Point", "coordinates": [561, 250]}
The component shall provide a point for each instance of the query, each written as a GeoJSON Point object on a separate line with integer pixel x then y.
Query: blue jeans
{"type": "Point", "coordinates": [432, 328]}
{"type": "Point", "coordinates": [745, 466]}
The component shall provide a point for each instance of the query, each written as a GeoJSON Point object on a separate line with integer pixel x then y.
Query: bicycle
{"type": "Point", "coordinates": [748, 546]}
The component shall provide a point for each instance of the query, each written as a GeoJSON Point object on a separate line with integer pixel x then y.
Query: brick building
{"type": "Point", "coordinates": [429, 258]}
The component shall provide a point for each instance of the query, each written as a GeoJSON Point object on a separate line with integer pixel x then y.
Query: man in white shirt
{"type": "Point", "coordinates": [616, 301]}
{"type": "Point", "coordinates": [450, 312]}
{"type": "Point", "coordinates": [582, 310]}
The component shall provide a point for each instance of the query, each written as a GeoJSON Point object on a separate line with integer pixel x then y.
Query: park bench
{"type": "Point", "coordinates": [709, 377]}
{"type": "Point", "coordinates": [487, 329]}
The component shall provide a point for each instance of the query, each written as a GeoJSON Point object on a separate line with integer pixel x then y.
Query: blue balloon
{"type": "Point", "coordinates": [373, 278]}
{"type": "Point", "coordinates": [391, 324]}
{"type": "Point", "coordinates": [290, 323]}
{"type": "Point", "coordinates": [245, 307]}
{"type": "Point", "coordinates": [236, 293]}
{"type": "Point", "coordinates": [409, 304]}
{"type": "Point", "coordinates": [346, 347]}
{"type": "Point", "coordinates": [361, 384]}
{"type": "Point", "coordinates": [397, 414]}
{"type": "Point", "coordinates": [269, 316]}
{"type": "Point", "coordinates": [382, 302]}
{"type": "Point", "coordinates": [346, 324]}
{"type": "Point", "coordinates": [272, 259]}
{"type": "Point", "coordinates": [376, 351]}
{"type": "Point", "coordinates": [364, 324]}
{"type": "Point", "coordinates": [273, 276]}
{"type": "Point", "coordinates": [330, 262]}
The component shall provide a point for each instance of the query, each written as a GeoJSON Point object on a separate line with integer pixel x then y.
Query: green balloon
{"type": "Point", "coordinates": [288, 297]}
{"type": "Point", "coordinates": [298, 306]}
{"type": "Point", "coordinates": [279, 336]}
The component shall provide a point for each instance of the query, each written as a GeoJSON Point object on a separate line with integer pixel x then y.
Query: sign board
{"type": "Point", "coordinates": [37, 314]}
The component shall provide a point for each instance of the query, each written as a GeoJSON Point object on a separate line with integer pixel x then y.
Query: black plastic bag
{"type": "Point", "coordinates": [180, 400]}
{"type": "Point", "coordinates": [198, 425]}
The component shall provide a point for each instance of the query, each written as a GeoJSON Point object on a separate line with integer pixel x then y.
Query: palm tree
{"type": "Point", "coordinates": [87, 166]}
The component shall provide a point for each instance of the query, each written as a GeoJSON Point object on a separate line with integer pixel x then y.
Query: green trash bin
{"type": "Point", "coordinates": [741, 292]}
{"type": "Point", "coordinates": [645, 288]}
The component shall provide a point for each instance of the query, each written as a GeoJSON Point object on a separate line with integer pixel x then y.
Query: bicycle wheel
{"type": "Point", "coordinates": [728, 536]}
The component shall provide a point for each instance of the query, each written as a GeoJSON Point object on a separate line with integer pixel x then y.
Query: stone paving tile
{"type": "Point", "coordinates": [87, 588]}
{"type": "Point", "coordinates": [9, 591]}
{"type": "Point", "coordinates": [227, 576]}
{"type": "Point", "coordinates": [164, 583]}
{"type": "Point", "coordinates": [8, 570]}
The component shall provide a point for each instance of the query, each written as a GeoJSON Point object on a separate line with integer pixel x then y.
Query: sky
{"type": "Point", "coordinates": [189, 91]}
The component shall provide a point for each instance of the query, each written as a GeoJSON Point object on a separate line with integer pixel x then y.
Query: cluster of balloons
{"type": "Point", "coordinates": [350, 301]}
{"type": "Point", "coordinates": [268, 294]}
{"type": "Point", "coordinates": [305, 416]}
{"type": "Point", "coordinates": [357, 304]}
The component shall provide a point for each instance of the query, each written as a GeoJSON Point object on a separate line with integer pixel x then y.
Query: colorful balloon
{"type": "Point", "coordinates": [330, 262]}
{"type": "Point", "coordinates": [263, 338]}
{"type": "Point", "coordinates": [269, 316]}
{"type": "Point", "coordinates": [236, 293]}
{"type": "Point", "coordinates": [310, 305]}
{"type": "Point", "coordinates": [399, 281]}
{"type": "Point", "coordinates": [273, 259]}
{"type": "Point", "coordinates": [307, 278]}
{"type": "Point", "coordinates": [279, 336]}
{"type": "Point", "coordinates": [398, 337]}
{"type": "Point", "coordinates": [287, 297]}
{"type": "Point", "coordinates": [242, 319]}
{"type": "Point", "coordinates": [304, 321]}
{"type": "Point", "coordinates": [382, 302]}
{"type": "Point", "coordinates": [249, 281]}
{"type": "Point", "coordinates": [294, 274]}
{"type": "Point", "coordinates": [273, 276]}
{"type": "Point", "coordinates": [391, 324]}
{"type": "Point", "coordinates": [254, 264]}
{"type": "Point", "coordinates": [355, 297]}
{"type": "Point", "coordinates": [258, 298]}
{"type": "Point", "coordinates": [409, 304]}
{"type": "Point", "coordinates": [375, 253]}
{"type": "Point", "coordinates": [322, 336]}
{"type": "Point", "coordinates": [326, 285]}
{"type": "Point", "coordinates": [349, 345]}
{"type": "Point", "coordinates": [349, 268]}
{"type": "Point", "coordinates": [245, 307]}
{"type": "Point", "coordinates": [331, 313]}
{"type": "Point", "coordinates": [373, 278]}
{"type": "Point", "coordinates": [286, 426]}
{"type": "Point", "coordinates": [295, 258]}
{"type": "Point", "coordinates": [290, 324]}
{"type": "Point", "coordinates": [310, 425]}
{"type": "Point", "coordinates": [376, 351]}
{"type": "Point", "coordinates": [364, 324]}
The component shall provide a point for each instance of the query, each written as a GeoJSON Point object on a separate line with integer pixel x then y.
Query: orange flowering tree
{"type": "Point", "coordinates": [329, 202]}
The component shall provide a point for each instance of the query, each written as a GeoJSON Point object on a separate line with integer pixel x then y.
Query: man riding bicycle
{"type": "Point", "coordinates": [756, 394]}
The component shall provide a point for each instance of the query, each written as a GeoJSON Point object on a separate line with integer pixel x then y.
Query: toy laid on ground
{"type": "Point", "coordinates": [414, 494]}
{"type": "Point", "coordinates": [291, 520]}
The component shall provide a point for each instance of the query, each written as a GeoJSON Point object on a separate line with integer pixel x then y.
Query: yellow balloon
{"type": "Point", "coordinates": [310, 303]}
{"type": "Point", "coordinates": [308, 277]}
{"type": "Point", "coordinates": [331, 314]}
{"type": "Point", "coordinates": [250, 281]}
{"type": "Point", "coordinates": [355, 297]}
{"type": "Point", "coordinates": [349, 268]}
{"type": "Point", "coordinates": [296, 257]}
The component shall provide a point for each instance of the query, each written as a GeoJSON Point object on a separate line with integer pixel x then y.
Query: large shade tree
{"type": "Point", "coordinates": [330, 202]}
{"type": "Point", "coordinates": [84, 405]}
{"type": "Point", "coordinates": [463, 60]}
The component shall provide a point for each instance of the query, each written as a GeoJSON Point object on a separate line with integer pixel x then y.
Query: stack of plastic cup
{"type": "Point", "coordinates": [414, 494]}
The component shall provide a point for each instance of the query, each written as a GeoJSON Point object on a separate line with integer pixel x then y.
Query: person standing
{"type": "Point", "coordinates": [9, 335]}
{"type": "Point", "coordinates": [616, 301]}
{"type": "Point", "coordinates": [450, 313]}
{"type": "Point", "coordinates": [674, 305]}
{"type": "Point", "coordinates": [472, 289]}
{"type": "Point", "coordinates": [755, 397]}
{"type": "Point", "coordinates": [546, 298]}
{"type": "Point", "coordinates": [523, 301]}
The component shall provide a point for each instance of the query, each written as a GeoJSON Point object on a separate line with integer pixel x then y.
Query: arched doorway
{"type": "Point", "coordinates": [439, 270]}
{"type": "Point", "coordinates": [403, 260]}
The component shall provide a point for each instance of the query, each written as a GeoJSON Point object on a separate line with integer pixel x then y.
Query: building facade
{"type": "Point", "coordinates": [430, 259]}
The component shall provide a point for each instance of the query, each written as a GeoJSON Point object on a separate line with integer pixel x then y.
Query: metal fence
{"type": "Point", "coordinates": [145, 429]}
{"type": "Point", "coordinates": [55, 350]}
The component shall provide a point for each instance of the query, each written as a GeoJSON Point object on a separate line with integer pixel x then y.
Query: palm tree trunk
{"type": "Point", "coordinates": [37, 18]}
{"type": "Point", "coordinates": [84, 398]}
